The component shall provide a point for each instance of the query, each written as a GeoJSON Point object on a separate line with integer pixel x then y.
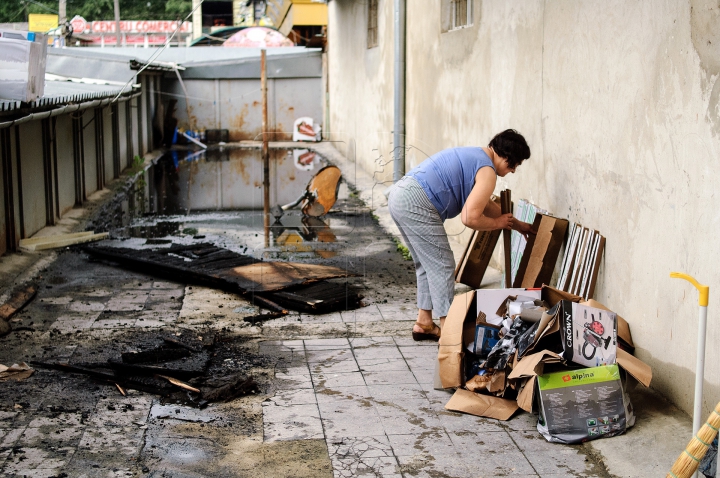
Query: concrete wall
{"type": "Point", "coordinates": [3, 237]}
{"type": "Point", "coordinates": [29, 206]}
{"type": "Point", "coordinates": [134, 105]}
{"type": "Point", "coordinates": [107, 120]}
{"type": "Point", "coordinates": [361, 85]}
{"type": "Point", "coordinates": [88, 123]}
{"type": "Point", "coordinates": [66, 168]}
{"type": "Point", "coordinates": [619, 102]}
{"type": "Point", "coordinates": [33, 183]}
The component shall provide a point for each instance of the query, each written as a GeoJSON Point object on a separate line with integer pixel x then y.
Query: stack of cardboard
{"type": "Point", "coordinates": [568, 337]}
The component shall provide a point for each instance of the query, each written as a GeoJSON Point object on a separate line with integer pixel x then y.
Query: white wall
{"type": "Point", "coordinates": [619, 102]}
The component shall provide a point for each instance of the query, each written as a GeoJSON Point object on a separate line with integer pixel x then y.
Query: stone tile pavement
{"type": "Point", "coordinates": [372, 400]}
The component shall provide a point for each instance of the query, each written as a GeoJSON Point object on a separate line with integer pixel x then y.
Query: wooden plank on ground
{"type": "Point", "coordinates": [18, 299]}
{"type": "Point", "coordinates": [60, 241]}
{"type": "Point", "coordinates": [43, 239]}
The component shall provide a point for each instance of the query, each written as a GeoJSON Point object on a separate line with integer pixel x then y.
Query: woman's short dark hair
{"type": "Point", "coordinates": [510, 145]}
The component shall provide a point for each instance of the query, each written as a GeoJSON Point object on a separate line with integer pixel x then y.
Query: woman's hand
{"type": "Point", "coordinates": [523, 228]}
{"type": "Point", "coordinates": [505, 221]}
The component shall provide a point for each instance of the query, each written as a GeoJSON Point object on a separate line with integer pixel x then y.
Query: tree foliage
{"type": "Point", "coordinates": [91, 10]}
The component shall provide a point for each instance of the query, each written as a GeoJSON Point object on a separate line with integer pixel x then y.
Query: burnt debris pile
{"type": "Point", "coordinates": [178, 370]}
{"type": "Point", "coordinates": [275, 286]}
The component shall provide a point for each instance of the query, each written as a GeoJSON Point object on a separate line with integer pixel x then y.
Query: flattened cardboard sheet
{"type": "Point", "coordinates": [451, 345]}
{"type": "Point", "coordinates": [541, 252]}
{"type": "Point", "coordinates": [471, 268]}
{"type": "Point", "coordinates": [527, 369]}
{"type": "Point", "coordinates": [635, 367]}
{"type": "Point", "coordinates": [486, 406]}
{"type": "Point", "coordinates": [552, 296]}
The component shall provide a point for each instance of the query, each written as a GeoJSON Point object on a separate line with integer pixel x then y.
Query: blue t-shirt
{"type": "Point", "coordinates": [448, 177]}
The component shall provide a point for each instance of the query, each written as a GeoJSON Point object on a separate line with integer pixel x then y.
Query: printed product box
{"type": "Point", "coordinates": [588, 334]}
{"type": "Point", "coordinates": [581, 405]}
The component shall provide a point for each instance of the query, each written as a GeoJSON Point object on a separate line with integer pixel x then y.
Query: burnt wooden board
{"type": "Point", "coordinates": [18, 299]}
{"type": "Point", "coordinates": [215, 266]}
{"type": "Point", "coordinates": [261, 282]}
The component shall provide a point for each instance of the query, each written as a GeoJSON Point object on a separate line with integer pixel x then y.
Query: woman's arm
{"type": "Point", "coordinates": [482, 214]}
{"type": "Point", "coordinates": [479, 212]}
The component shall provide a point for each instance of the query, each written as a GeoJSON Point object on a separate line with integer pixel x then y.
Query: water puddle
{"type": "Point", "coordinates": [216, 196]}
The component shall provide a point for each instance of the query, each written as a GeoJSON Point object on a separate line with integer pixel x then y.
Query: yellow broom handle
{"type": "Point", "coordinates": [702, 289]}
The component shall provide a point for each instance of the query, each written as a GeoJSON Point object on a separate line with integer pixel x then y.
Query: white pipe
{"type": "Point", "coordinates": [700, 373]}
{"type": "Point", "coordinates": [399, 92]}
{"type": "Point", "coordinates": [190, 138]}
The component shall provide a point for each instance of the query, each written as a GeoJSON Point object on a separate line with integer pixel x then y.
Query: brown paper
{"type": "Point", "coordinates": [450, 349]}
{"type": "Point", "coordinates": [635, 367]}
{"type": "Point", "coordinates": [552, 296]}
{"type": "Point", "coordinates": [482, 405]}
{"type": "Point", "coordinates": [541, 252]}
{"type": "Point", "coordinates": [531, 365]}
{"type": "Point", "coordinates": [525, 372]}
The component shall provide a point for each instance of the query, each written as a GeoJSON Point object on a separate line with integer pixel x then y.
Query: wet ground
{"type": "Point", "coordinates": [341, 394]}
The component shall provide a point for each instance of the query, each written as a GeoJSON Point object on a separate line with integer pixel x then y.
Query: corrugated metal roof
{"type": "Point", "coordinates": [67, 92]}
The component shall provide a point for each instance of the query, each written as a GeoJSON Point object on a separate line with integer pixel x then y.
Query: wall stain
{"type": "Point", "coordinates": [705, 34]}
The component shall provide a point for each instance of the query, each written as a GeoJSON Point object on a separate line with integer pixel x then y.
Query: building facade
{"type": "Point", "coordinates": [619, 103]}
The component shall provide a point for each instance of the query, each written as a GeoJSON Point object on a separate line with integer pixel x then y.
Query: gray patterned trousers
{"type": "Point", "coordinates": [423, 231]}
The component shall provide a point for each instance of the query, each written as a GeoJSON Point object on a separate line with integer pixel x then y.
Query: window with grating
{"type": "Point", "coordinates": [372, 33]}
{"type": "Point", "coordinates": [456, 14]}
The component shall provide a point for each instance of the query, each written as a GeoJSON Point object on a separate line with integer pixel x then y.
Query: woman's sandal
{"type": "Point", "coordinates": [427, 334]}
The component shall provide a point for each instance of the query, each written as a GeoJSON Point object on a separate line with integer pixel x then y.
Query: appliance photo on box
{"type": "Point", "coordinates": [589, 335]}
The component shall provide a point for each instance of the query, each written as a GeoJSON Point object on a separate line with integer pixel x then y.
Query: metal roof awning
{"type": "Point", "coordinates": [61, 94]}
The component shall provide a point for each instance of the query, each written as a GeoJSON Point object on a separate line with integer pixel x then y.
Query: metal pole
{"type": "Point", "coordinates": [703, 298]}
{"type": "Point", "coordinates": [118, 40]}
{"type": "Point", "coordinates": [265, 153]}
{"type": "Point", "coordinates": [700, 370]}
{"type": "Point", "coordinates": [399, 92]}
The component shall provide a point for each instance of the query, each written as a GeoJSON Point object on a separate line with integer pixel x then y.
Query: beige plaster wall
{"type": "Point", "coordinates": [619, 102]}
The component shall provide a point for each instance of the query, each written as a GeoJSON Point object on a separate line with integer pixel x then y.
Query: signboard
{"type": "Point", "coordinates": [78, 24]}
{"type": "Point", "coordinates": [40, 22]}
{"type": "Point", "coordinates": [141, 26]}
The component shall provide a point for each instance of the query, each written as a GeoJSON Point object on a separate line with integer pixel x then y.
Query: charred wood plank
{"type": "Point", "coordinates": [126, 369]}
{"type": "Point", "coordinates": [156, 355]}
{"type": "Point", "coordinates": [19, 298]}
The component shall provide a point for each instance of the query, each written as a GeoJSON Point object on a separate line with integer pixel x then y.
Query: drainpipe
{"type": "Point", "coordinates": [399, 92]}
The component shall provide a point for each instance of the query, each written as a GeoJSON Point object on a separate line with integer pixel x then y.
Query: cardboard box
{"type": "Point", "coordinates": [589, 334]}
{"type": "Point", "coordinates": [460, 326]}
{"type": "Point", "coordinates": [459, 331]}
{"type": "Point", "coordinates": [22, 68]}
{"type": "Point", "coordinates": [541, 252]}
{"type": "Point", "coordinates": [581, 405]}
{"type": "Point", "coordinates": [552, 296]}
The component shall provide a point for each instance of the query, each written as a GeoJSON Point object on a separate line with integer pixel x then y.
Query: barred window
{"type": "Point", "coordinates": [372, 33]}
{"type": "Point", "coordinates": [456, 14]}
